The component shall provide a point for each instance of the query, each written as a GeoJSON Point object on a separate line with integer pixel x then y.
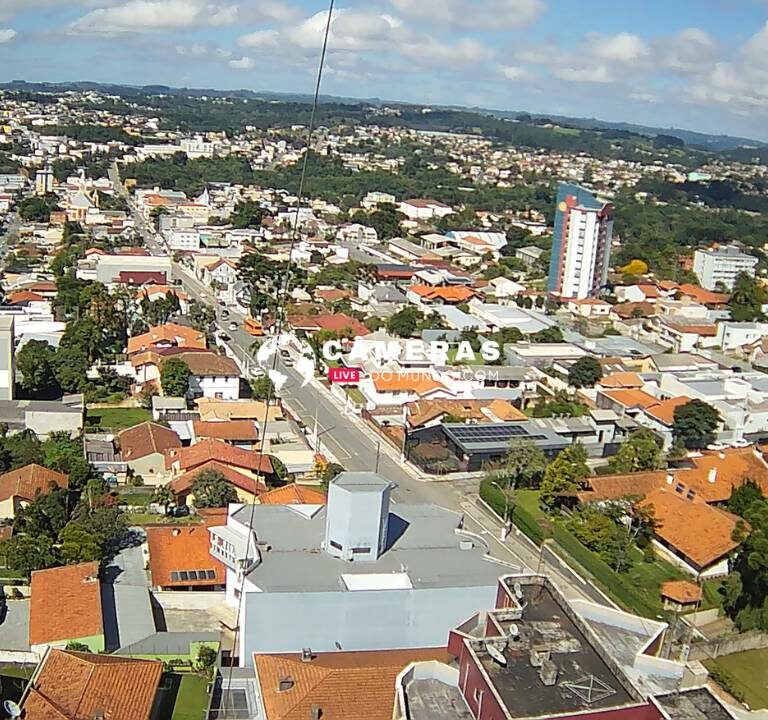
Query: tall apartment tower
{"type": "Point", "coordinates": [44, 181]}
{"type": "Point", "coordinates": [581, 245]}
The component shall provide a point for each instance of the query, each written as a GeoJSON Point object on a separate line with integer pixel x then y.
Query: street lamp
{"type": "Point", "coordinates": [505, 526]}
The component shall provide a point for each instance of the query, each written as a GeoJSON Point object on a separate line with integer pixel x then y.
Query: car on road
{"type": "Point", "coordinates": [233, 325]}
{"type": "Point", "coordinates": [224, 337]}
{"type": "Point", "coordinates": [285, 354]}
{"type": "Point", "coordinates": [288, 362]}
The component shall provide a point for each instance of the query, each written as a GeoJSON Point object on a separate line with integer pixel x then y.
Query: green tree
{"type": "Point", "coordinates": [26, 553]}
{"type": "Point", "coordinates": [694, 424]}
{"type": "Point", "coordinates": [403, 323]}
{"type": "Point", "coordinates": [212, 490]}
{"type": "Point", "coordinates": [76, 545]}
{"type": "Point", "coordinates": [71, 368]}
{"type": "Point", "coordinates": [386, 221]}
{"type": "Point", "coordinates": [564, 473]}
{"type": "Point", "coordinates": [163, 495]}
{"type": "Point", "coordinates": [247, 214]}
{"type": "Point", "coordinates": [174, 377]}
{"type": "Point", "coordinates": [522, 467]}
{"type": "Point", "coordinates": [747, 298]}
{"type": "Point", "coordinates": [76, 646]}
{"type": "Point", "coordinates": [36, 362]}
{"type": "Point", "coordinates": [262, 388]}
{"type": "Point", "coordinates": [585, 372]}
{"type": "Point", "coordinates": [38, 208]}
{"type": "Point", "coordinates": [641, 451]}
{"type": "Point", "coordinates": [46, 515]}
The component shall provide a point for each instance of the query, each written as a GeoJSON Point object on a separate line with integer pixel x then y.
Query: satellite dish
{"type": "Point", "coordinates": [496, 654]}
{"type": "Point", "coordinates": [12, 710]}
{"type": "Point", "coordinates": [514, 631]}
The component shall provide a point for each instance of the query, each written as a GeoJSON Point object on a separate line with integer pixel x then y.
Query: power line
{"type": "Point", "coordinates": [281, 298]}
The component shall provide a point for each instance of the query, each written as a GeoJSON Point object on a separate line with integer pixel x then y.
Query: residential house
{"type": "Point", "coordinates": [293, 494]}
{"type": "Point", "coordinates": [340, 685]}
{"type": "Point", "coordinates": [212, 410]}
{"type": "Point", "coordinates": [424, 209]}
{"type": "Point", "coordinates": [143, 448]}
{"type": "Point", "coordinates": [185, 459]}
{"type": "Point", "coordinates": [211, 375]}
{"type": "Point", "coordinates": [591, 308]}
{"type": "Point", "coordinates": [65, 605]}
{"type": "Point", "coordinates": [426, 296]}
{"type": "Point", "coordinates": [247, 482]}
{"type": "Point", "coordinates": [339, 323]}
{"type": "Point", "coordinates": [165, 336]}
{"type": "Point", "coordinates": [179, 559]}
{"type": "Point", "coordinates": [71, 685]}
{"type": "Point", "coordinates": [161, 292]}
{"type": "Point", "coordinates": [20, 487]}
{"type": "Point", "coordinates": [410, 251]}
{"type": "Point", "coordinates": [530, 255]}
{"type": "Point", "coordinates": [240, 433]}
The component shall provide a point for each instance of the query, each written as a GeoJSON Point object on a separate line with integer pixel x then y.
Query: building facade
{"type": "Point", "coordinates": [719, 267]}
{"type": "Point", "coordinates": [581, 244]}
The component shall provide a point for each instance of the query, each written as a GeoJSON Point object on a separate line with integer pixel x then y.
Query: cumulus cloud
{"type": "Point", "coordinates": [621, 48]}
{"type": "Point", "coordinates": [513, 72]}
{"type": "Point", "coordinates": [243, 63]}
{"type": "Point", "coordinates": [474, 14]}
{"type": "Point", "coordinates": [6, 35]}
{"type": "Point", "coordinates": [144, 15]}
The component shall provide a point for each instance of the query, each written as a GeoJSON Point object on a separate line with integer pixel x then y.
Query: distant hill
{"type": "Point", "coordinates": [691, 138]}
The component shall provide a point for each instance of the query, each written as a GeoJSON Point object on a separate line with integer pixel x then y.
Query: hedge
{"type": "Point", "coordinates": [611, 581]}
{"type": "Point", "coordinates": [523, 519]}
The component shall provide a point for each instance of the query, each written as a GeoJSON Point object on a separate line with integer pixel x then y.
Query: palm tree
{"type": "Point", "coordinates": [163, 495]}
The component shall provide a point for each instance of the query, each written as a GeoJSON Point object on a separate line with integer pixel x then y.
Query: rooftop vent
{"type": "Point", "coordinates": [285, 684]}
{"type": "Point", "coordinates": [539, 655]}
{"type": "Point", "coordinates": [548, 673]}
{"type": "Point", "coordinates": [466, 545]}
{"type": "Point", "coordinates": [176, 532]}
{"type": "Point", "coordinates": [518, 591]}
{"type": "Point", "coordinates": [712, 475]}
{"type": "Point", "coordinates": [513, 633]}
{"type": "Point", "coordinates": [316, 712]}
{"type": "Point", "coordinates": [306, 655]}
{"type": "Point", "coordinates": [670, 478]}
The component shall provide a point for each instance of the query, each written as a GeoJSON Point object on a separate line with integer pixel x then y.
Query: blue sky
{"type": "Point", "coordinates": [698, 64]}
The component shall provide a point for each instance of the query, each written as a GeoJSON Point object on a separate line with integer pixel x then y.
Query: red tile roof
{"type": "Point", "coordinates": [226, 430]}
{"type": "Point", "coordinates": [183, 484]}
{"type": "Point", "coordinates": [337, 322]}
{"type": "Point", "coordinates": [176, 549]}
{"type": "Point", "coordinates": [138, 277]}
{"type": "Point", "coordinates": [342, 685]}
{"type": "Point", "coordinates": [26, 482]}
{"type": "Point", "coordinates": [146, 439]}
{"type": "Point", "coordinates": [23, 297]}
{"type": "Point", "coordinates": [169, 333]}
{"type": "Point", "coordinates": [451, 294]}
{"type": "Point", "coordinates": [65, 604]}
{"type": "Point", "coordinates": [681, 591]}
{"type": "Point", "coordinates": [82, 686]}
{"type": "Point", "coordinates": [195, 455]}
{"type": "Point", "coordinates": [209, 364]}
{"type": "Point", "coordinates": [293, 494]}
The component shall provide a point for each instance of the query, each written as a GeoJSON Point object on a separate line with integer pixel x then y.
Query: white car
{"type": "Point", "coordinates": [742, 443]}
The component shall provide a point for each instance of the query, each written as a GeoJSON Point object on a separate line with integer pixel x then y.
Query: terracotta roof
{"type": "Point", "coordinates": [700, 295]}
{"type": "Point", "coordinates": [169, 333]}
{"type": "Point", "coordinates": [400, 382]}
{"type": "Point", "coordinates": [703, 329]}
{"type": "Point", "coordinates": [700, 532]}
{"type": "Point", "coordinates": [343, 685]}
{"type": "Point", "coordinates": [293, 494]}
{"type": "Point", "coordinates": [682, 591]}
{"type": "Point", "coordinates": [183, 483]}
{"type": "Point", "coordinates": [212, 409]}
{"type": "Point", "coordinates": [26, 482]}
{"type": "Point", "coordinates": [612, 487]}
{"type": "Point", "coordinates": [631, 398]}
{"type": "Point", "coordinates": [65, 604]}
{"type": "Point", "coordinates": [209, 364]}
{"type": "Point", "coordinates": [195, 455]}
{"type": "Point", "coordinates": [650, 291]}
{"type": "Point", "coordinates": [176, 549]}
{"type": "Point", "coordinates": [451, 294]}
{"type": "Point", "coordinates": [337, 322]}
{"type": "Point", "coordinates": [332, 295]}
{"type": "Point", "coordinates": [22, 297]}
{"type": "Point", "coordinates": [627, 310]}
{"type": "Point", "coordinates": [145, 439]}
{"type": "Point", "coordinates": [152, 290]}
{"type": "Point", "coordinates": [621, 380]}
{"type": "Point", "coordinates": [226, 430]}
{"type": "Point", "coordinates": [82, 686]}
{"type": "Point", "coordinates": [664, 411]}
{"type": "Point", "coordinates": [505, 411]}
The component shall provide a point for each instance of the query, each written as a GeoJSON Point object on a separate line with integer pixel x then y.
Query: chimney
{"type": "Point", "coordinates": [721, 455]}
{"type": "Point", "coordinates": [712, 475]}
{"type": "Point", "coordinates": [670, 478]}
{"type": "Point", "coordinates": [285, 684]}
{"type": "Point", "coordinates": [306, 655]}
{"type": "Point", "coordinates": [316, 712]}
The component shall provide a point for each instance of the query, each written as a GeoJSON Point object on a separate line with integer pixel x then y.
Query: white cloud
{"type": "Point", "coordinates": [513, 72]}
{"type": "Point", "coordinates": [598, 74]}
{"type": "Point", "coordinates": [474, 14]}
{"type": "Point", "coordinates": [243, 63]}
{"type": "Point", "coordinates": [151, 15]}
{"type": "Point", "coordinates": [194, 50]}
{"type": "Point", "coordinates": [6, 35]}
{"type": "Point", "coordinates": [691, 51]}
{"type": "Point", "coordinates": [454, 54]}
{"type": "Point", "coordinates": [260, 39]}
{"type": "Point", "coordinates": [622, 48]}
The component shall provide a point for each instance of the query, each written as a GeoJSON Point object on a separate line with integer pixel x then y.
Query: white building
{"type": "Point", "coordinates": [720, 266]}
{"type": "Point", "coordinates": [183, 240]}
{"type": "Point", "coordinates": [424, 209]}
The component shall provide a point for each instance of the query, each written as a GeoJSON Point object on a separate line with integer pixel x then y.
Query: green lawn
{"type": "Point", "coordinates": [746, 673]}
{"type": "Point", "coordinates": [135, 496]}
{"type": "Point", "coordinates": [355, 395]}
{"type": "Point", "coordinates": [477, 360]}
{"type": "Point", "coordinates": [191, 699]}
{"type": "Point", "coordinates": [117, 418]}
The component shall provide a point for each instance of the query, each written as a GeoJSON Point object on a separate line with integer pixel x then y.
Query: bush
{"type": "Point", "coordinates": [726, 680]}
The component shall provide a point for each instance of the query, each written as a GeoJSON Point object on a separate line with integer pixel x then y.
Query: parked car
{"type": "Point", "coordinates": [233, 325]}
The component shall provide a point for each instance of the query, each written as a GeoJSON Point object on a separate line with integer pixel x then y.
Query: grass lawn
{"type": "Point", "coordinates": [117, 418]}
{"type": "Point", "coordinates": [192, 698]}
{"type": "Point", "coordinates": [135, 496]}
{"type": "Point", "coordinates": [747, 673]}
{"type": "Point", "coordinates": [477, 360]}
{"type": "Point", "coordinates": [529, 500]}
{"type": "Point", "coordinates": [355, 395]}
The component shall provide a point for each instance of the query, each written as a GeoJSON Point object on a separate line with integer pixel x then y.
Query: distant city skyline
{"type": "Point", "coordinates": [694, 65]}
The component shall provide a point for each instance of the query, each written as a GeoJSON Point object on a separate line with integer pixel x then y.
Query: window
{"type": "Point", "coordinates": [361, 550]}
{"type": "Point", "coordinates": [336, 545]}
{"type": "Point", "coordinates": [210, 574]}
{"type": "Point", "coordinates": [175, 576]}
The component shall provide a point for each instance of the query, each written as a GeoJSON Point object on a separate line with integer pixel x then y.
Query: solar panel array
{"type": "Point", "coordinates": [184, 575]}
{"type": "Point", "coordinates": [468, 434]}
